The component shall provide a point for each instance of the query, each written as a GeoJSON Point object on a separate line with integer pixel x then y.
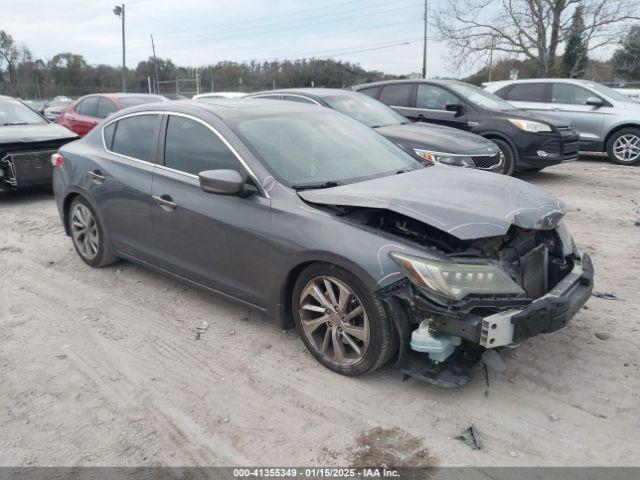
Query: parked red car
{"type": "Point", "coordinates": [86, 112]}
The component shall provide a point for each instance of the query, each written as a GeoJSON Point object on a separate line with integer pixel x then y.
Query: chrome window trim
{"type": "Point", "coordinates": [297, 95]}
{"type": "Point", "coordinates": [424, 109]}
{"type": "Point", "coordinates": [163, 167]}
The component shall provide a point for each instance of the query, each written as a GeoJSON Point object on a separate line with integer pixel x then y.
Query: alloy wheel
{"type": "Point", "coordinates": [84, 231]}
{"type": "Point", "coordinates": [626, 148]}
{"type": "Point", "coordinates": [334, 320]}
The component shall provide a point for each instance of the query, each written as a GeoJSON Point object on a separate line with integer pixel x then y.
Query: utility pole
{"type": "Point", "coordinates": [155, 64]}
{"type": "Point", "coordinates": [118, 10]}
{"type": "Point", "coordinates": [424, 46]}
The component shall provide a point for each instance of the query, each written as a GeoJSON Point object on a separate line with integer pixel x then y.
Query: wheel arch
{"type": "Point", "coordinates": [617, 128]}
{"type": "Point", "coordinates": [495, 135]}
{"type": "Point", "coordinates": [66, 205]}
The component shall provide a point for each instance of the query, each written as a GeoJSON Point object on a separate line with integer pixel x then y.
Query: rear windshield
{"type": "Point", "coordinates": [13, 112]}
{"type": "Point", "coordinates": [138, 100]}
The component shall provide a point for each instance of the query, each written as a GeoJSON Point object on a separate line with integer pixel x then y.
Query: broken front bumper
{"type": "Point", "coordinates": [546, 314]}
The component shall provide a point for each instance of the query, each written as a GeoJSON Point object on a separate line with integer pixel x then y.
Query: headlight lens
{"type": "Point", "coordinates": [455, 280]}
{"type": "Point", "coordinates": [530, 126]}
{"type": "Point", "coordinates": [445, 158]}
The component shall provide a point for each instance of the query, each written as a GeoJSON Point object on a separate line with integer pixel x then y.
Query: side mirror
{"type": "Point", "coordinates": [458, 108]}
{"type": "Point", "coordinates": [594, 101]}
{"type": "Point", "coordinates": [225, 182]}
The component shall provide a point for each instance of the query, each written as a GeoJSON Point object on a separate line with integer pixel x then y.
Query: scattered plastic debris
{"type": "Point", "coordinates": [470, 437]}
{"type": "Point", "coordinates": [201, 329]}
{"type": "Point", "coordinates": [492, 359]}
{"type": "Point", "coordinates": [605, 295]}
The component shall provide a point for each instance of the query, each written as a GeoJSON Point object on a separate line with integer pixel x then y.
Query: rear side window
{"type": "Point", "coordinates": [397, 95]}
{"type": "Point", "coordinates": [295, 98]}
{"type": "Point", "coordinates": [527, 92]}
{"type": "Point", "coordinates": [105, 108]}
{"type": "Point", "coordinates": [135, 137]}
{"type": "Point", "coordinates": [370, 91]}
{"type": "Point", "coordinates": [432, 97]}
{"type": "Point", "coordinates": [108, 132]}
{"type": "Point", "coordinates": [193, 148]}
{"type": "Point", "coordinates": [88, 106]}
{"type": "Point", "coordinates": [570, 94]}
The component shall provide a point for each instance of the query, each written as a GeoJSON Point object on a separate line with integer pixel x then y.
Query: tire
{"type": "Point", "coordinates": [88, 236]}
{"type": "Point", "coordinates": [509, 156]}
{"type": "Point", "coordinates": [331, 334]}
{"type": "Point", "coordinates": [623, 147]}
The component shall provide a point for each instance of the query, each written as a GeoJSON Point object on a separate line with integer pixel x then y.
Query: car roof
{"type": "Point", "coordinates": [225, 108]}
{"type": "Point", "coordinates": [308, 91]}
{"type": "Point", "coordinates": [117, 95]}
{"type": "Point", "coordinates": [437, 81]}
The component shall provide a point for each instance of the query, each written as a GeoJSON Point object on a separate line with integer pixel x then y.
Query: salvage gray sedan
{"type": "Point", "coordinates": [318, 221]}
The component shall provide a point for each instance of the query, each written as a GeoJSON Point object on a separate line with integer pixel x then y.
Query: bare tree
{"type": "Point", "coordinates": [8, 53]}
{"type": "Point", "coordinates": [531, 29]}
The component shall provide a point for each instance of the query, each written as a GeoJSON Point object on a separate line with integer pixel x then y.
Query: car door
{"type": "Point", "coordinates": [431, 103]}
{"type": "Point", "coordinates": [215, 240]}
{"type": "Point", "coordinates": [121, 182]}
{"type": "Point", "coordinates": [399, 96]}
{"type": "Point", "coordinates": [83, 117]}
{"type": "Point", "coordinates": [569, 101]}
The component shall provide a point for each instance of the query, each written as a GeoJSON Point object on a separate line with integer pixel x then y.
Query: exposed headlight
{"type": "Point", "coordinates": [568, 245]}
{"type": "Point", "coordinates": [455, 280]}
{"type": "Point", "coordinates": [530, 126]}
{"type": "Point", "coordinates": [445, 158]}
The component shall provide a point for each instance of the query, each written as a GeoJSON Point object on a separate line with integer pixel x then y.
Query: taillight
{"type": "Point", "coordinates": [56, 159]}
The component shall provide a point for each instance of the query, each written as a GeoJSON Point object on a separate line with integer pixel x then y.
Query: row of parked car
{"type": "Point", "coordinates": [342, 212]}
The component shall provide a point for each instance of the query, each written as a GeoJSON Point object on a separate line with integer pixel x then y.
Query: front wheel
{"type": "Point", "coordinates": [623, 147]}
{"type": "Point", "coordinates": [340, 321]}
{"type": "Point", "coordinates": [508, 155]}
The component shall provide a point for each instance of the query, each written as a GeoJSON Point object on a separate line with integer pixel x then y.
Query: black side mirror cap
{"type": "Point", "coordinates": [226, 182]}
{"type": "Point", "coordinates": [458, 108]}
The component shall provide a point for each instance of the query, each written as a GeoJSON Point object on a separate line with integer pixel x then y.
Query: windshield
{"type": "Point", "coordinates": [142, 99]}
{"type": "Point", "coordinates": [13, 112]}
{"type": "Point", "coordinates": [609, 92]}
{"type": "Point", "coordinates": [365, 109]}
{"type": "Point", "coordinates": [480, 97]}
{"type": "Point", "coordinates": [309, 148]}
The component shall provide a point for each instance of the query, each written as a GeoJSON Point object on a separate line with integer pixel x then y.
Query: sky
{"type": "Point", "coordinates": [383, 35]}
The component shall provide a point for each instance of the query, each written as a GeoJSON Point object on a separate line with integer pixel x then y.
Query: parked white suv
{"type": "Point", "coordinates": [607, 121]}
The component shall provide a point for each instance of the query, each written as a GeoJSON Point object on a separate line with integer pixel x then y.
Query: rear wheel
{"type": "Point", "coordinates": [340, 321]}
{"type": "Point", "coordinates": [508, 155]}
{"type": "Point", "coordinates": [623, 147]}
{"type": "Point", "coordinates": [88, 236]}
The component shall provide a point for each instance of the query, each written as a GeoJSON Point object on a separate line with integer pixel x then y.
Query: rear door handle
{"type": "Point", "coordinates": [96, 176]}
{"type": "Point", "coordinates": [166, 202]}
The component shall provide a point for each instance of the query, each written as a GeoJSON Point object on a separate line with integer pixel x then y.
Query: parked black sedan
{"type": "Point", "coordinates": [528, 140]}
{"type": "Point", "coordinates": [27, 141]}
{"type": "Point", "coordinates": [427, 142]}
{"type": "Point", "coordinates": [312, 217]}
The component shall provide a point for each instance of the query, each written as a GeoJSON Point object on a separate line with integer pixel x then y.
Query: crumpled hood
{"type": "Point", "coordinates": [465, 203]}
{"type": "Point", "coordinates": [438, 138]}
{"type": "Point", "coordinates": [34, 133]}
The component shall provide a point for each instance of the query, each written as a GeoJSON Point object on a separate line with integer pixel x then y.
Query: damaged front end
{"type": "Point", "coordinates": [465, 296]}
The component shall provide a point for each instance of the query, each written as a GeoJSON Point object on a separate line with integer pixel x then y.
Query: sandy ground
{"type": "Point", "coordinates": [101, 367]}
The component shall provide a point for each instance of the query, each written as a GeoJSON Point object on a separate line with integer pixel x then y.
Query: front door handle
{"type": "Point", "coordinates": [96, 176]}
{"type": "Point", "coordinates": [166, 202]}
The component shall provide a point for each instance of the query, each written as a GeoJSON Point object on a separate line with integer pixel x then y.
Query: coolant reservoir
{"type": "Point", "coordinates": [438, 347]}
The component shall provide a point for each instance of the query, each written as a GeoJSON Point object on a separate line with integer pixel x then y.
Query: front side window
{"type": "Point", "coordinates": [397, 95]}
{"type": "Point", "coordinates": [315, 147]}
{"type": "Point", "coordinates": [88, 107]}
{"type": "Point", "coordinates": [370, 91]}
{"type": "Point", "coordinates": [570, 94]}
{"type": "Point", "coordinates": [193, 148]}
{"type": "Point", "coordinates": [527, 92]}
{"type": "Point", "coordinates": [13, 112]}
{"type": "Point", "coordinates": [134, 136]}
{"type": "Point", "coordinates": [364, 109]}
{"type": "Point", "coordinates": [433, 97]}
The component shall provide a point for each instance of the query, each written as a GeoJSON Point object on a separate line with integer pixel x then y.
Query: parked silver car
{"type": "Point", "coordinates": [607, 121]}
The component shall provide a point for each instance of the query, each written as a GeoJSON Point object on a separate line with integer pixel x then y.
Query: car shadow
{"type": "Point", "coordinates": [25, 196]}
